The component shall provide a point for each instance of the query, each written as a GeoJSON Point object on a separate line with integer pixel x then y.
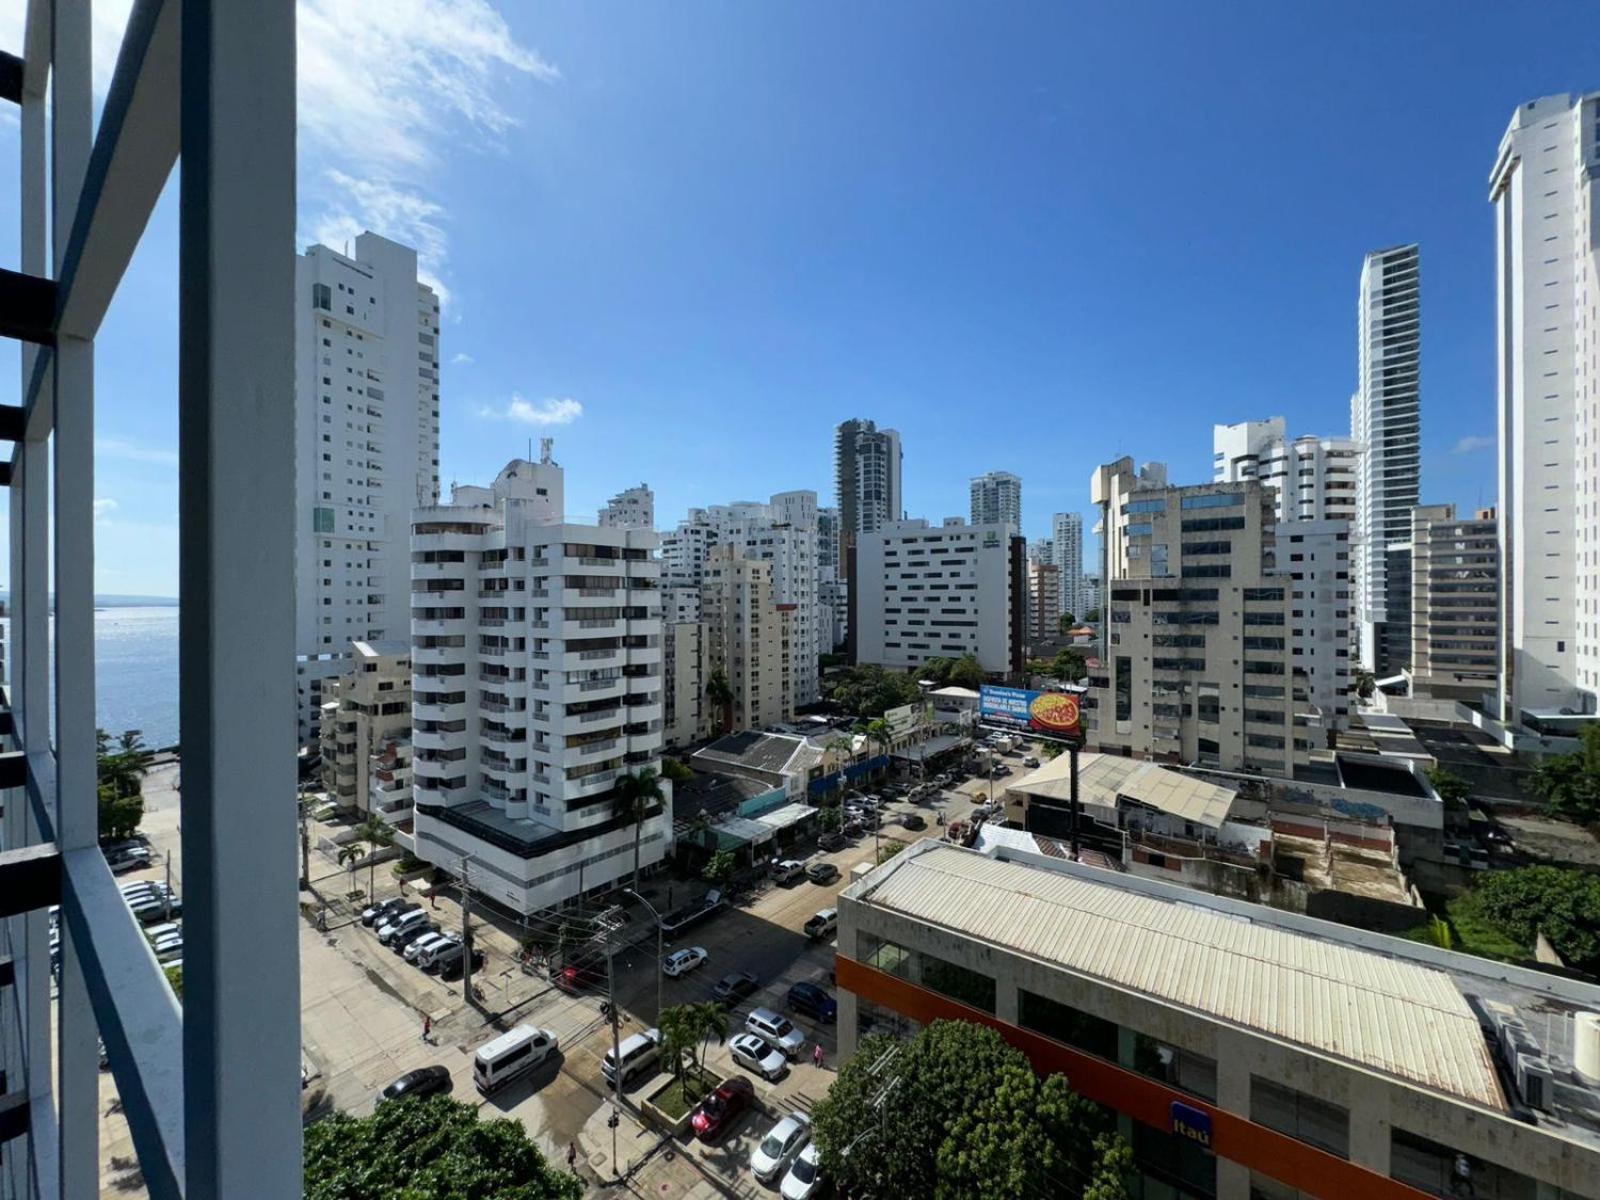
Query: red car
{"type": "Point", "coordinates": [720, 1109]}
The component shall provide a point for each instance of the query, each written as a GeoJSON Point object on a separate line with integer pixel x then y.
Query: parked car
{"type": "Point", "coordinates": [1030, 760]}
{"type": "Point", "coordinates": [734, 987]}
{"type": "Point", "coordinates": [383, 908]}
{"type": "Point", "coordinates": [640, 1053]}
{"type": "Point", "coordinates": [822, 872]}
{"type": "Point", "coordinates": [833, 840]}
{"type": "Point", "coordinates": [414, 951]}
{"type": "Point", "coordinates": [411, 919]}
{"type": "Point", "coordinates": [821, 924]}
{"type": "Point", "coordinates": [429, 956]}
{"type": "Point", "coordinates": [401, 941]}
{"type": "Point", "coordinates": [574, 977]}
{"type": "Point", "coordinates": [455, 965]}
{"type": "Point", "coordinates": [753, 1054]}
{"type": "Point", "coordinates": [853, 827]}
{"type": "Point", "coordinates": [778, 1149]}
{"type": "Point", "coordinates": [811, 1000]}
{"type": "Point", "coordinates": [804, 1179]}
{"type": "Point", "coordinates": [718, 1111]}
{"type": "Point", "coordinates": [913, 821]}
{"type": "Point", "coordinates": [418, 1085]}
{"type": "Point", "coordinates": [510, 1056]}
{"type": "Point", "coordinates": [681, 962]}
{"type": "Point", "coordinates": [786, 869]}
{"type": "Point", "coordinates": [776, 1030]}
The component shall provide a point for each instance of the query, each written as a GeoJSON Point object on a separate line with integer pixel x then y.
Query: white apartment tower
{"type": "Point", "coordinates": [997, 499]}
{"type": "Point", "coordinates": [1455, 601]}
{"type": "Point", "coordinates": [537, 685]}
{"type": "Point", "coordinates": [1066, 545]}
{"type": "Point", "coordinates": [748, 637]}
{"type": "Point", "coordinates": [866, 466]}
{"type": "Point", "coordinates": [1547, 253]}
{"type": "Point", "coordinates": [1386, 420]}
{"type": "Point", "coordinates": [632, 509]}
{"type": "Point", "coordinates": [1312, 478]}
{"type": "Point", "coordinates": [366, 450]}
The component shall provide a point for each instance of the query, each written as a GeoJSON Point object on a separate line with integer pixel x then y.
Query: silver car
{"type": "Point", "coordinates": [777, 1150]}
{"type": "Point", "coordinates": [753, 1054]}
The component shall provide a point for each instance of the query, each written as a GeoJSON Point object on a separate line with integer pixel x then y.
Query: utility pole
{"type": "Point", "coordinates": [616, 1048]}
{"type": "Point", "coordinates": [466, 932]}
{"type": "Point", "coordinates": [305, 847]}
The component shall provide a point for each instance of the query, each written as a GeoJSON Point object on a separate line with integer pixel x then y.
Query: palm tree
{"type": "Point", "coordinates": [700, 826]}
{"type": "Point", "coordinates": [879, 734]}
{"type": "Point", "coordinates": [710, 1021]}
{"type": "Point", "coordinates": [377, 834]}
{"type": "Point", "coordinates": [720, 692]}
{"type": "Point", "coordinates": [125, 767]}
{"type": "Point", "coordinates": [349, 854]}
{"type": "Point", "coordinates": [679, 1031]}
{"type": "Point", "coordinates": [635, 794]}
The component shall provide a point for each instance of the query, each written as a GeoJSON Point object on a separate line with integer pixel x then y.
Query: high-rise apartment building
{"type": "Point", "coordinates": [997, 499]}
{"type": "Point", "coordinates": [1455, 604]}
{"type": "Point", "coordinates": [537, 681]}
{"type": "Point", "coordinates": [926, 591]}
{"type": "Point", "coordinates": [634, 508]}
{"type": "Point", "coordinates": [1312, 478]}
{"type": "Point", "coordinates": [1044, 602]}
{"type": "Point", "coordinates": [1547, 254]}
{"type": "Point", "coordinates": [1066, 544]}
{"type": "Point", "coordinates": [1196, 652]}
{"type": "Point", "coordinates": [833, 600]}
{"type": "Point", "coordinates": [1315, 557]}
{"type": "Point", "coordinates": [747, 636]}
{"type": "Point", "coordinates": [1386, 420]}
{"type": "Point", "coordinates": [366, 450]}
{"type": "Point", "coordinates": [366, 731]}
{"type": "Point", "coordinates": [866, 467]}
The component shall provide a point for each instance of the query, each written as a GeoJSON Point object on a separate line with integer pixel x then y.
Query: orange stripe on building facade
{"type": "Point", "coordinates": [1277, 1155]}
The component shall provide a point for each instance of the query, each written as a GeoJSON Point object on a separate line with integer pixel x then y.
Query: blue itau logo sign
{"type": "Point", "coordinates": [1192, 1123]}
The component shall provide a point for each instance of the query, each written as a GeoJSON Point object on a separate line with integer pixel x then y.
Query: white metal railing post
{"type": "Point", "coordinates": [241, 1029]}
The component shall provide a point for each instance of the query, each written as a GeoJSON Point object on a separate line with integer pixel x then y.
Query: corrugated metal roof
{"type": "Point", "coordinates": [1389, 1015]}
{"type": "Point", "coordinates": [1104, 777]}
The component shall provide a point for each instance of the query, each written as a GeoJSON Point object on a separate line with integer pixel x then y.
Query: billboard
{"type": "Point", "coordinates": [903, 720]}
{"type": "Point", "coordinates": [1053, 713]}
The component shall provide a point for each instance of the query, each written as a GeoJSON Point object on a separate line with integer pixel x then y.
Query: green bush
{"type": "Point", "coordinates": [1562, 904]}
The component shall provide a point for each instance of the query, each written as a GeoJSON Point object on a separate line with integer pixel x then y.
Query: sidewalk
{"type": "Point", "coordinates": [661, 1166]}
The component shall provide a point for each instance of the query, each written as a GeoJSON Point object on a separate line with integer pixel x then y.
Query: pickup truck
{"type": "Point", "coordinates": [680, 919]}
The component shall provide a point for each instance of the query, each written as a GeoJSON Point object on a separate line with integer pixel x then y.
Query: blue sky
{"type": "Point", "coordinates": [1031, 237]}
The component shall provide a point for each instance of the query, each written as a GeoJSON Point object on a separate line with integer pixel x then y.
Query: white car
{"type": "Point", "coordinates": [753, 1054]}
{"type": "Point", "coordinates": [681, 962]}
{"type": "Point", "coordinates": [786, 869]}
{"type": "Point", "coordinates": [804, 1179]}
{"type": "Point", "coordinates": [777, 1150]}
{"type": "Point", "coordinates": [414, 951]}
{"type": "Point", "coordinates": [775, 1030]}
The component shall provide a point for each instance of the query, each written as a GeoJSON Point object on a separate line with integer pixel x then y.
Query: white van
{"type": "Point", "coordinates": [639, 1056]}
{"type": "Point", "coordinates": [510, 1056]}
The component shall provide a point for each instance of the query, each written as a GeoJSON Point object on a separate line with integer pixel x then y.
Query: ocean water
{"type": "Point", "coordinates": [136, 672]}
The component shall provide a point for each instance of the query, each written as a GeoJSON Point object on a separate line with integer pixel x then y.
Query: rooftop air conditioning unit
{"type": "Point", "coordinates": [1534, 1081]}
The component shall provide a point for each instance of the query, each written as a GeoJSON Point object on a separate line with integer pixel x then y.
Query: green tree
{"type": "Point", "coordinates": [966, 673]}
{"type": "Point", "coordinates": [878, 733]}
{"type": "Point", "coordinates": [710, 1022]}
{"type": "Point", "coordinates": [870, 691]}
{"type": "Point", "coordinates": [830, 818]}
{"type": "Point", "coordinates": [1069, 665]}
{"type": "Point", "coordinates": [958, 1113]}
{"type": "Point", "coordinates": [433, 1149]}
{"type": "Point", "coordinates": [350, 854]}
{"type": "Point", "coordinates": [936, 671]}
{"type": "Point", "coordinates": [1562, 904]}
{"type": "Point", "coordinates": [720, 693]}
{"type": "Point", "coordinates": [376, 834]}
{"type": "Point", "coordinates": [1452, 789]}
{"type": "Point", "coordinates": [1092, 617]}
{"type": "Point", "coordinates": [680, 1031]}
{"type": "Point", "coordinates": [1364, 685]}
{"type": "Point", "coordinates": [720, 869]}
{"type": "Point", "coordinates": [676, 770]}
{"type": "Point", "coordinates": [635, 794]}
{"type": "Point", "coordinates": [119, 816]}
{"type": "Point", "coordinates": [1068, 623]}
{"type": "Point", "coordinates": [1571, 782]}
{"type": "Point", "coordinates": [123, 766]}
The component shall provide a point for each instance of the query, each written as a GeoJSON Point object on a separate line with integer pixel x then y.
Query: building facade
{"type": "Point", "coordinates": [634, 508]}
{"type": "Point", "coordinates": [1547, 254]}
{"type": "Point", "coordinates": [1315, 557]}
{"type": "Point", "coordinates": [537, 685]}
{"type": "Point", "coordinates": [866, 468]}
{"type": "Point", "coordinates": [1044, 602]}
{"type": "Point", "coordinates": [366, 729]}
{"type": "Point", "coordinates": [1066, 548]}
{"type": "Point", "coordinates": [1312, 478]}
{"type": "Point", "coordinates": [1196, 654]}
{"type": "Point", "coordinates": [366, 450]}
{"type": "Point", "coordinates": [1455, 598]}
{"type": "Point", "coordinates": [1386, 421]}
{"type": "Point", "coordinates": [923, 591]}
{"type": "Point", "coordinates": [747, 636]}
{"type": "Point", "coordinates": [997, 499]}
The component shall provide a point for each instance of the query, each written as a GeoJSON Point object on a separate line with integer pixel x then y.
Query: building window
{"type": "Point", "coordinates": [1124, 668]}
{"type": "Point", "coordinates": [1071, 1026]}
{"type": "Point", "coordinates": [957, 982]}
{"type": "Point", "coordinates": [1310, 1119]}
{"type": "Point", "coordinates": [322, 297]}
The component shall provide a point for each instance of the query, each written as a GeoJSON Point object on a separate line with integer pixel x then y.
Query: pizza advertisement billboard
{"type": "Point", "coordinates": [1052, 713]}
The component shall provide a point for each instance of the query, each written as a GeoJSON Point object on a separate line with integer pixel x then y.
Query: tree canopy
{"type": "Point", "coordinates": [1562, 904]}
{"type": "Point", "coordinates": [956, 1112]}
{"type": "Point", "coordinates": [120, 770]}
{"type": "Point", "coordinates": [676, 770]}
{"type": "Point", "coordinates": [869, 691]}
{"type": "Point", "coordinates": [434, 1149]}
{"type": "Point", "coordinates": [1452, 789]}
{"type": "Point", "coordinates": [1571, 782]}
{"type": "Point", "coordinates": [966, 673]}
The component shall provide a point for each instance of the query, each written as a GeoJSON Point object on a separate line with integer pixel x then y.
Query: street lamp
{"type": "Point", "coordinates": [659, 934]}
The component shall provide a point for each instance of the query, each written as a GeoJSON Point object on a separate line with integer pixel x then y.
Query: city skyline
{"type": "Point", "coordinates": [612, 376]}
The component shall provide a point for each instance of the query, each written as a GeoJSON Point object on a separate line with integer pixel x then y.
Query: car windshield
{"type": "Point", "coordinates": [804, 1169]}
{"type": "Point", "coordinates": [782, 1027]}
{"type": "Point", "coordinates": [773, 1146]}
{"type": "Point", "coordinates": [714, 1104]}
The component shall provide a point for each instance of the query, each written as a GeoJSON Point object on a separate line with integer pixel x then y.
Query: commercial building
{"type": "Point", "coordinates": [1547, 238]}
{"type": "Point", "coordinates": [866, 468]}
{"type": "Point", "coordinates": [1066, 547]}
{"type": "Point", "coordinates": [1196, 655]}
{"type": "Point", "coordinates": [366, 449]}
{"type": "Point", "coordinates": [1455, 597]}
{"type": "Point", "coordinates": [537, 685]}
{"type": "Point", "coordinates": [921, 591]}
{"type": "Point", "coordinates": [366, 731]}
{"type": "Point", "coordinates": [748, 637]}
{"type": "Point", "coordinates": [634, 508]}
{"type": "Point", "coordinates": [1247, 1052]}
{"type": "Point", "coordinates": [1386, 421]}
{"type": "Point", "coordinates": [1312, 478]}
{"type": "Point", "coordinates": [997, 499]}
{"type": "Point", "coordinates": [1044, 602]}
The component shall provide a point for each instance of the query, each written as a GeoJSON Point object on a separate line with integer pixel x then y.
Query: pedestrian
{"type": "Point", "coordinates": [816, 1054]}
{"type": "Point", "coordinates": [572, 1157]}
{"type": "Point", "coordinates": [427, 1027]}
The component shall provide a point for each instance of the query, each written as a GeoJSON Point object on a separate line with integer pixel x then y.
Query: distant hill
{"type": "Point", "coordinates": [113, 600]}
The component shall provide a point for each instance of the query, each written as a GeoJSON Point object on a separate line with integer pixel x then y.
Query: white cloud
{"type": "Point", "coordinates": [1472, 442]}
{"type": "Point", "coordinates": [460, 357]}
{"type": "Point", "coordinates": [134, 452]}
{"type": "Point", "coordinates": [104, 506]}
{"type": "Point", "coordinates": [553, 410]}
